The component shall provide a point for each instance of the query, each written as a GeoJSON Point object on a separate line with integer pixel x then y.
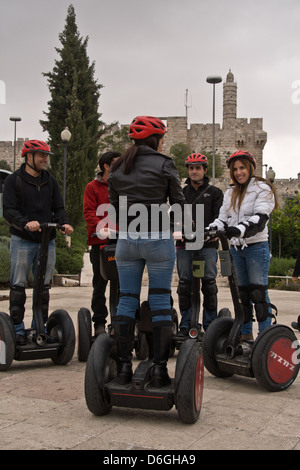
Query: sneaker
{"type": "Point", "coordinates": [20, 340]}
{"type": "Point", "coordinates": [99, 330]}
{"type": "Point", "coordinates": [248, 337]}
{"type": "Point", "coordinates": [183, 332]}
{"type": "Point", "coordinates": [296, 324]}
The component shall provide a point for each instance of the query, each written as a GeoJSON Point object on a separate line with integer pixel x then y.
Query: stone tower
{"type": "Point", "coordinates": [235, 134]}
{"type": "Point", "coordinates": [229, 101]}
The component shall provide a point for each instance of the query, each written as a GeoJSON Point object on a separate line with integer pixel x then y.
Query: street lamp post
{"type": "Point", "coordinates": [214, 79]}
{"type": "Point", "coordinates": [15, 120]}
{"type": "Point", "coordinates": [65, 137]}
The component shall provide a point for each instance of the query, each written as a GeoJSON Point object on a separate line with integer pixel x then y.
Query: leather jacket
{"type": "Point", "coordinates": [154, 179]}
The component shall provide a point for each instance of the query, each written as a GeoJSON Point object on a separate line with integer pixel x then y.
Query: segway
{"type": "Point", "coordinates": [103, 390]}
{"type": "Point", "coordinates": [59, 325]}
{"type": "Point", "coordinates": [270, 359]}
{"type": "Point", "coordinates": [109, 272]}
{"type": "Point", "coordinates": [195, 330]}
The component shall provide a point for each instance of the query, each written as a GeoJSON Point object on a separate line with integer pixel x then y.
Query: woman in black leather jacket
{"type": "Point", "coordinates": [140, 181]}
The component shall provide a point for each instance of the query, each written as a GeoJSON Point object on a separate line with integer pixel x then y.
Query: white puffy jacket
{"type": "Point", "coordinates": [256, 207]}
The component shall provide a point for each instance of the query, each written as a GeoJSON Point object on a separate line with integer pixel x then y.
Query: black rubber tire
{"type": "Point", "coordinates": [84, 322]}
{"type": "Point", "coordinates": [7, 342]}
{"type": "Point", "coordinates": [60, 326]}
{"type": "Point", "coordinates": [275, 363]}
{"type": "Point", "coordinates": [213, 344]}
{"type": "Point", "coordinates": [141, 345]}
{"type": "Point", "coordinates": [101, 367]}
{"type": "Point", "coordinates": [224, 312]}
{"type": "Point", "coordinates": [174, 332]}
{"type": "Point", "coordinates": [189, 382]}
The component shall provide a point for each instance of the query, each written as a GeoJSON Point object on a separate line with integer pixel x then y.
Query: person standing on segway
{"type": "Point", "coordinates": [31, 197]}
{"type": "Point", "coordinates": [95, 194]}
{"type": "Point", "coordinates": [244, 214]}
{"type": "Point", "coordinates": [144, 175]}
{"type": "Point", "coordinates": [199, 191]}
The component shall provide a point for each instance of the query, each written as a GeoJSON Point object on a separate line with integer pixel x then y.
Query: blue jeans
{"type": "Point", "coordinates": [252, 267]}
{"type": "Point", "coordinates": [184, 268]}
{"type": "Point", "coordinates": [131, 258]}
{"type": "Point", "coordinates": [25, 254]}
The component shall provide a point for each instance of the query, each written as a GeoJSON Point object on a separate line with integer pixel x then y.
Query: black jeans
{"type": "Point", "coordinates": [99, 286]}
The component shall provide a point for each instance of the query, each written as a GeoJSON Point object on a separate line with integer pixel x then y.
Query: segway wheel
{"type": "Point", "coordinates": [101, 367]}
{"type": "Point", "coordinates": [174, 332]}
{"type": "Point", "coordinates": [7, 341]}
{"type": "Point", "coordinates": [224, 312]}
{"type": "Point", "coordinates": [274, 358]}
{"type": "Point", "coordinates": [141, 345]}
{"type": "Point", "coordinates": [60, 326]}
{"type": "Point", "coordinates": [214, 343]}
{"type": "Point", "coordinates": [189, 378]}
{"type": "Point", "coordinates": [84, 322]}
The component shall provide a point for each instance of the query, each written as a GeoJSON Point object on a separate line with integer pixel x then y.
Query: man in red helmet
{"type": "Point", "coordinates": [198, 191]}
{"type": "Point", "coordinates": [31, 197]}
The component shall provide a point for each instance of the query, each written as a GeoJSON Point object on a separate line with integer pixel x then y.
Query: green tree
{"type": "Point", "coordinates": [286, 228]}
{"type": "Point", "coordinates": [4, 165]}
{"type": "Point", "coordinates": [74, 104]}
{"type": "Point", "coordinates": [117, 139]}
{"type": "Point", "coordinates": [181, 151]}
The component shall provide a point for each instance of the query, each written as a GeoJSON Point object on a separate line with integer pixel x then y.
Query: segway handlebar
{"type": "Point", "coordinates": [49, 225]}
{"type": "Point", "coordinates": [211, 234]}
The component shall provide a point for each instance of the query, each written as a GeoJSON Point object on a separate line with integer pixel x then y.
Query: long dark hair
{"type": "Point", "coordinates": [129, 155]}
{"type": "Point", "coordinates": [239, 190]}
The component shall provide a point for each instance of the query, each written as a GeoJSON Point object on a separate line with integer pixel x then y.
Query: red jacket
{"type": "Point", "coordinates": [95, 194]}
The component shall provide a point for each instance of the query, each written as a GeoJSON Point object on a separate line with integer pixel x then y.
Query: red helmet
{"type": "Point", "coordinates": [241, 154]}
{"type": "Point", "coordinates": [143, 126]}
{"type": "Point", "coordinates": [32, 146]}
{"type": "Point", "coordinates": [197, 159]}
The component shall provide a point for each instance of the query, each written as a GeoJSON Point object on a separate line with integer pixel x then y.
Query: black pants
{"type": "Point", "coordinates": [99, 286]}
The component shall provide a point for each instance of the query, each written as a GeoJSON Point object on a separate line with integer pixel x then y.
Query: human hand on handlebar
{"type": "Point", "coordinates": [33, 226]}
{"type": "Point", "coordinates": [231, 232]}
{"type": "Point", "coordinates": [68, 229]}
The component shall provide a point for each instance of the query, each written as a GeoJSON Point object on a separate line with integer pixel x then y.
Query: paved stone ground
{"type": "Point", "coordinates": [42, 406]}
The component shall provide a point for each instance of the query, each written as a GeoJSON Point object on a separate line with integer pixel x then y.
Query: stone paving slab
{"type": "Point", "coordinates": [42, 406]}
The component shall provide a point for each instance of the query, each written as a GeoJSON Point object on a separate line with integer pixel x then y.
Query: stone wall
{"type": "Point", "coordinates": [235, 133]}
{"type": "Point", "coordinates": [7, 152]}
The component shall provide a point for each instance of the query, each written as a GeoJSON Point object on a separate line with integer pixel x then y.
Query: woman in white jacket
{"type": "Point", "coordinates": [244, 214]}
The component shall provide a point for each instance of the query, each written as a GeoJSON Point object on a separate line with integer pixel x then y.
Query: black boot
{"type": "Point", "coordinates": [124, 337]}
{"type": "Point", "coordinates": [162, 336]}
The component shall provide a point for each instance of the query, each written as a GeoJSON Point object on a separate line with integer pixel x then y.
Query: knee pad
{"type": "Point", "coordinates": [17, 299]}
{"type": "Point", "coordinates": [246, 303]}
{"type": "Point", "coordinates": [258, 297]}
{"type": "Point", "coordinates": [130, 303]}
{"type": "Point", "coordinates": [184, 291]}
{"type": "Point", "coordinates": [209, 289]}
{"type": "Point", "coordinates": [162, 317]}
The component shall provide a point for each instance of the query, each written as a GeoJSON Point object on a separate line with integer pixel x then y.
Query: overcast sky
{"type": "Point", "coordinates": [147, 53]}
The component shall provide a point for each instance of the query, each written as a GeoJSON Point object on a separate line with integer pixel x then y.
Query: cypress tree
{"type": "Point", "coordinates": [74, 104]}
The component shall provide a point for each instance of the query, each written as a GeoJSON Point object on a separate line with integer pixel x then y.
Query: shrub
{"type": "Point", "coordinates": [280, 267]}
{"type": "Point", "coordinates": [4, 263]}
{"type": "Point", "coordinates": [69, 260]}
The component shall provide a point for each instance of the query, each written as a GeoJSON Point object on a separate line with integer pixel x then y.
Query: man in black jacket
{"type": "Point", "coordinates": [199, 191]}
{"type": "Point", "coordinates": [31, 197]}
